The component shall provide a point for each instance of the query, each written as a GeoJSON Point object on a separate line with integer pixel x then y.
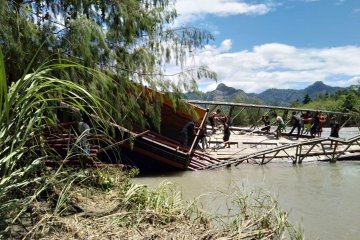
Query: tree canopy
{"type": "Point", "coordinates": [307, 99]}
{"type": "Point", "coordinates": [131, 40]}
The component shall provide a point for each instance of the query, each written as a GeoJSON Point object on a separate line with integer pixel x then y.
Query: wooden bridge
{"type": "Point", "coordinates": [255, 146]}
{"type": "Point", "coordinates": [313, 149]}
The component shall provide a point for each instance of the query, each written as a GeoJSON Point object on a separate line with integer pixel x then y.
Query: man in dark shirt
{"type": "Point", "coordinates": [267, 123]}
{"type": "Point", "coordinates": [335, 128]}
{"type": "Point", "coordinates": [296, 124]}
{"type": "Point", "coordinates": [186, 133]}
{"type": "Point", "coordinates": [226, 132]}
{"type": "Point", "coordinates": [213, 117]}
{"type": "Point", "coordinates": [315, 124]}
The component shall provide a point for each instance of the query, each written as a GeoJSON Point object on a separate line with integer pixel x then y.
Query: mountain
{"type": "Point", "coordinates": [284, 97]}
{"type": "Point", "coordinates": [273, 96]}
{"type": "Point", "coordinates": [321, 88]}
{"type": "Point", "coordinates": [280, 97]}
{"type": "Point", "coordinates": [224, 93]}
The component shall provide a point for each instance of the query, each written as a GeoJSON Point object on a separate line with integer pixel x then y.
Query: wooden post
{"type": "Point", "coordinates": [195, 139]}
{"type": "Point", "coordinates": [300, 159]}
{"type": "Point", "coordinates": [333, 159]}
{"type": "Point", "coordinates": [296, 155]}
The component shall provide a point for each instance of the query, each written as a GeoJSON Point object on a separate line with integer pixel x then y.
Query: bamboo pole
{"type": "Point", "coordinates": [237, 114]}
{"type": "Point", "coordinates": [263, 106]}
{"type": "Point", "coordinates": [196, 137]}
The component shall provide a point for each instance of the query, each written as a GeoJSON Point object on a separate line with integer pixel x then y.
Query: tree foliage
{"type": "Point", "coordinates": [131, 40]}
{"type": "Point", "coordinates": [350, 102]}
{"type": "Point", "coordinates": [342, 101]}
{"type": "Point", "coordinates": [307, 99]}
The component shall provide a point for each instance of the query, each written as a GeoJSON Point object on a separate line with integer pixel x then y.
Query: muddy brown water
{"type": "Point", "coordinates": [323, 198]}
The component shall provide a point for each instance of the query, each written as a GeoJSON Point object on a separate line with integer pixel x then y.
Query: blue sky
{"type": "Point", "coordinates": [277, 44]}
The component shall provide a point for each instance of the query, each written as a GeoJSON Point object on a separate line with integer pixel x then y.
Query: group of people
{"type": "Point", "coordinates": [267, 125]}
{"type": "Point", "coordinates": [304, 124]}
{"type": "Point", "coordinates": [188, 132]}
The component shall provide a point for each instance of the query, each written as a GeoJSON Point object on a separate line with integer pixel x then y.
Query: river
{"type": "Point", "coordinates": [323, 197]}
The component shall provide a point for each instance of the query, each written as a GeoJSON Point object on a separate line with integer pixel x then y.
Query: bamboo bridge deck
{"type": "Point", "coordinates": [250, 145]}
{"type": "Point", "coordinates": [262, 149]}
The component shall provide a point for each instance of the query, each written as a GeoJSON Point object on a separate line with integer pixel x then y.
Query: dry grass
{"type": "Point", "coordinates": [107, 205]}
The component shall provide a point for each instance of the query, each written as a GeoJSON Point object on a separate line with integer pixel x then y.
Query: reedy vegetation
{"type": "Point", "coordinates": [26, 110]}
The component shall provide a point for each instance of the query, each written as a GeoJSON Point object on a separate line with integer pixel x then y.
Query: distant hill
{"type": "Point", "coordinates": [284, 97]}
{"type": "Point", "coordinates": [224, 93]}
{"type": "Point", "coordinates": [273, 96]}
{"type": "Point", "coordinates": [320, 88]}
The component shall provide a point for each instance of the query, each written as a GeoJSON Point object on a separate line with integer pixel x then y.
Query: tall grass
{"type": "Point", "coordinates": [130, 211]}
{"type": "Point", "coordinates": [26, 109]}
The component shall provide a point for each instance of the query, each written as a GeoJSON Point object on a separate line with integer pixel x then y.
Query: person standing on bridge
{"type": "Point", "coordinates": [334, 128]}
{"type": "Point", "coordinates": [186, 134]}
{"type": "Point", "coordinates": [202, 136]}
{"type": "Point", "coordinates": [280, 125]}
{"type": "Point", "coordinates": [315, 124]}
{"type": "Point", "coordinates": [306, 122]}
{"type": "Point", "coordinates": [227, 133]}
{"type": "Point", "coordinates": [213, 117]}
{"type": "Point", "coordinates": [296, 124]}
{"type": "Point", "coordinates": [322, 119]}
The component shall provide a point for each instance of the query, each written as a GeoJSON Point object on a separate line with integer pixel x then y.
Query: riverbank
{"type": "Point", "coordinates": [320, 196]}
{"type": "Point", "coordinates": [107, 204]}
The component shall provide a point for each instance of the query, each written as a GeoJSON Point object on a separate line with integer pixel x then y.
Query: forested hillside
{"type": "Point", "coordinates": [277, 97]}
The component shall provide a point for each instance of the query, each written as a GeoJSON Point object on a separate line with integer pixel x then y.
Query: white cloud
{"type": "Point", "coordinates": [190, 10]}
{"type": "Point", "coordinates": [339, 2]}
{"type": "Point", "coordinates": [276, 65]}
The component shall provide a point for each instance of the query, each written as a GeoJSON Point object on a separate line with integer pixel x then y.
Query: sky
{"type": "Point", "coordinates": [262, 44]}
